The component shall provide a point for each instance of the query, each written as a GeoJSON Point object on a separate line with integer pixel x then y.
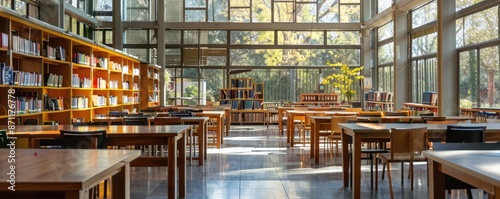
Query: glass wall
{"type": "Point", "coordinates": [385, 57]}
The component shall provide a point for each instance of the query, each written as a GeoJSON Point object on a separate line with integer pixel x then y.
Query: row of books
{"type": "Point", "coordinates": [316, 98]}
{"type": "Point", "coordinates": [378, 96]}
{"type": "Point", "coordinates": [27, 104]}
{"type": "Point", "coordinates": [4, 40]}
{"type": "Point", "coordinates": [25, 45]}
{"type": "Point", "coordinates": [53, 103]}
{"type": "Point", "coordinates": [243, 104]}
{"type": "Point", "coordinates": [98, 100]}
{"type": "Point", "coordinates": [23, 78]}
{"type": "Point", "coordinates": [237, 94]}
{"type": "Point", "coordinates": [99, 82]}
{"type": "Point", "coordinates": [80, 82]}
{"type": "Point", "coordinates": [102, 62]}
{"type": "Point", "coordinates": [113, 100]}
{"type": "Point", "coordinates": [131, 99]}
{"type": "Point", "coordinates": [429, 98]}
{"type": "Point", "coordinates": [378, 107]}
{"type": "Point", "coordinates": [58, 52]}
{"type": "Point", "coordinates": [6, 74]}
{"type": "Point", "coordinates": [125, 69]}
{"type": "Point", "coordinates": [136, 71]}
{"type": "Point", "coordinates": [116, 66]}
{"type": "Point", "coordinates": [152, 74]}
{"type": "Point", "coordinates": [241, 83]}
{"type": "Point", "coordinates": [82, 58]}
{"type": "Point", "coordinates": [53, 80]}
{"type": "Point", "coordinates": [113, 84]}
{"type": "Point", "coordinates": [136, 86]}
{"type": "Point", "coordinates": [79, 102]}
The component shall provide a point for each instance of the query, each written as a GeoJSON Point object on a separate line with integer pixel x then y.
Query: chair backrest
{"type": "Point", "coordinates": [84, 140]}
{"type": "Point", "coordinates": [340, 119]}
{"type": "Point", "coordinates": [117, 114]}
{"type": "Point", "coordinates": [441, 122]}
{"type": "Point", "coordinates": [31, 121]}
{"type": "Point", "coordinates": [410, 141]}
{"type": "Point", "coordinates": [163, 115]}
{"type": "Point", "coordinates": [425, 119]}
{"type": "Point", "coordinates": [167, 120]}
{"type": "Point", "coordinates": [392, 113]}
{"type": "Point", "coordinates": [135, 114]}
{"type": "Point", "coordinates": [90, 124]}
{"type": "Point", "coordinates": [3, 139]}
{"type": "Point", "coordinates": [180, 114]}
{"type": "Point", "coordinates": [455, 133]}
{"type": "Point", "coordinates": [465, 146]}
{"type": "Point", "coordinates": [353, 110]}
{"type": "Point", "coordinates": [135, 121]}
{"type": "Point", "coordinates": [370, 114]}
{"type": "Point", "coordinates": [50, 123]}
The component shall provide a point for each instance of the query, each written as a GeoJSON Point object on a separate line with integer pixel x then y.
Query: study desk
{"type": "Point", "coordinates": [217, 115]}
{"type": "Point", "coordinates": [477, 168]}
{"type": "Point", "coordinates": [381, 132]}
{"type": "Point", "coordinates": [226, 110]}
{"type": "Point", "coordinates": [171, 135]}
{"type": "Point", "coordinates": [68, 173]}
{"type": "Point", "coordinates": [201, 122]}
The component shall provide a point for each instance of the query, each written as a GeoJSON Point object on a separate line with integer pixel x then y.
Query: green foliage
{"type": "Point", "coordinates": [342, 81]}
{"type": "Point", "coordinates": [465, 103]}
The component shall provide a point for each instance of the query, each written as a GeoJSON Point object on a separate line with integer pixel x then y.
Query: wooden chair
{"type": "Point", "coordinates": [306, 126]}
{"type": "Point", "coordinates": [335, 133]}
{"type": "Point", "coordinates": [371, 114]}
{"type": "Point", "coordinates": [136, 121]}
{"type": "Point", "coordinates": [406, 146]}
{"type": "Point", "coordinates": [425, 119]}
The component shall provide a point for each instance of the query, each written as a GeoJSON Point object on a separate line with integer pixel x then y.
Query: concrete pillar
{"type": "Point", "coordinates": [117, 25]}
{"type": "Point", "coordinates": [161, 48]}
{"type": "Point", "coordinates": [401, 66]}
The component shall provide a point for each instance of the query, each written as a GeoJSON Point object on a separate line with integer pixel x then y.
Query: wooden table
{"type": "Point", "coordinates": [477, 168]}
{"type": "Point", "coordinates": [218, 115]}
{"type": "Point", "coordinates": [171, 135]}
{"type": "Point", "coordinates": [419, 118]}
{"type": "Point", "coordinates": [69, 173]}
{"type": "Point", "coordinates": [200, 121]}
{"type": "Point", "coordinates": [381, 132]}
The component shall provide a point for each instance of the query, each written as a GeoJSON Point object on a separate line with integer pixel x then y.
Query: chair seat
{"type": "Point", "coordinates": [400, 157]}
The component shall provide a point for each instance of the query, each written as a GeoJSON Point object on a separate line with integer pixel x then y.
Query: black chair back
{"type": "Point", "coordinates": [135, 115]}
{"type": "Point", "coordinates": [3, 139]}
{"type": "Point", "coordinates": [90, 124]}
{"type": "Point", "coordinates": [456, 133]}
{"type": "Point", "coordinates": [117, 114]}
{"type": "Point", "coordinates": [135, 121]}
{"type": "Point", "coordinates": [438, 146]}
{"type": "Point", "coordinates": [31, 121]}
{"type": "Point", "coordinates": [84, 140]}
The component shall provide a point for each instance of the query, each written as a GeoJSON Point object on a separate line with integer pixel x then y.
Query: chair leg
{"type": "Point", "coordinates": [389, 176]}
{"type": "Point", "coordinates": [402, 172]}
{"type": "Point", "coordinates": [469, 194]}
{"type": "Point", "coordinates": [411, 175]}
{"type": "Point", "coordinates": [370, 156]}
{"type": "Point", "coordinates": [383, 171]}
{"type": "Point", "coordinates": [105, 194]}
{"type": "Point", "coordinates": [376, 173]}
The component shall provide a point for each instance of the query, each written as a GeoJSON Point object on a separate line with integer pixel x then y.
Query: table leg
{"type": "Point", "coordinates": [315, 134]}
{"type": "Point", "coordinates": [436, 181]}
{"type": "Point", "coordinates": [182, 166]}
{"type": "Point", "coordinates": [205, 141]}
{"type": "Point", "coordinates": [219, 132]}
{"type": "Point", "coordinates": [356, 166]}
{"type": "Point", "coordinates": [345, 158]}
{"type": "Point", "coordinates": [121, 183]}
{"type": "Point", "coordinates": [313, 137]}
{"type": "Point", "coordinates": [292, 131]}
{"type": "Point", "coordinates": [201, 142]}
{"type": "Point", "coordinates": [227, 115]}
{"type": "Point", "coordinates": [172, 168]}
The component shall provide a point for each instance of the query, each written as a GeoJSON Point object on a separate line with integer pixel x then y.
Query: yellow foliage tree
{"type": "Point", "coordinates": [342, 81]}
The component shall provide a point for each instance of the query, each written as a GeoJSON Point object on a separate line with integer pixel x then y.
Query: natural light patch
{"type": "Point", "coordinates": [247, 151]}
{"type": "Point", "coordinates": [245, 138]}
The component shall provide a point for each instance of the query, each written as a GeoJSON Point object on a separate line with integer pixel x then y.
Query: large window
{"type": "Point", "coordinates": [478, 27]}
{"type": "Point", "coordinates": [140, 10]}
{"type": "Point", "coordinates": [385, 57]}
{"type": "Point", "coordinates": [423, 77]}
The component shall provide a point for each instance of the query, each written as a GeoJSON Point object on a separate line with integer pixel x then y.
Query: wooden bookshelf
{"type": "Point", "coordinates": [378, 101]}
{"type": "Point", "coordinates": [150, 86]}
{"type": "Point", "coordinates": [246, 98]}
{"type": "Point", "coordinates": [420, 108]}
{"type": "Point", "coordinates": [57, 68]}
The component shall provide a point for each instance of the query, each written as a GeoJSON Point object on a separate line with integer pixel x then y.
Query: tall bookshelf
{"type": "Point", "coordinates": [58, 76]}
{"type": "Point", "coordinates": [150, 92]}
{"type": "Point", "coordinates": [246, 98]}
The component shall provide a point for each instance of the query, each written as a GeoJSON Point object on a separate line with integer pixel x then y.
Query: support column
{"type": "Point", "coordinates": [447, 62]}
{"type": "Point", "coordinates": [366, 47]}
{"type": "Point", "coordinates": [117, 25]}
{"type": "Point", "coordinates": [401, 67]}
{"type": "Point", "coordinates": [161, 48]}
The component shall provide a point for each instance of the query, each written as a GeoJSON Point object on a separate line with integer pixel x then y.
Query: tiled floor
{"type": "Point", "coordinates": [256, 162]}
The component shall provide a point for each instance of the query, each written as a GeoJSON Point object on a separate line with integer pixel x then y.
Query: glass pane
{"type": "Point", "coordinates": [109, 37]}
{"type": "Point", "coordinates": [195, 3]}
{"type": "Point", "coordinates": [173, 11]}
{"type": "Point", "coordinates": [240, 15]}
{"type": "Point", "coordinates": [300, 38]}
{"type": "Point", "coordinates": [468, 90]}
{"type": "Point", "coordinates": [385, 75]}
{"type": "Point", "coordinates": [103, 5]}
{"type": "Point", "coordinates": [386, 31]}
{"type": "Point", "coordinates": [261, 11]}
{"type": "Point", "coordinates": [283, 12]}
{"type": "Point", "coordinates": [67, 22]}
{"type": "Point", "coordinates": [213, 37]}
{"type": "Point", "coordinates": [488, 78]}
{"type": "Point", "coordinates": [5, 3]}
{"type": "Point", "coordinates": [481, 26]}
{"type": "Point", "coordinates": [217, 10]}
{"type": "Point", "coordinates": [190, 37]}
{"type": "Point", "coordinates": [137, 15]}
{"type": "Point", "coordinates": [172, 37]}
{"type": "Point", "coordinates": [293, 57]}
{"type": "Point", "coordinates": [329, 11]}
{"type": "Point", "coordinates": [195, 16]}
{"type": "Point", "coordinates": [172, 57]}
{"type": "Point", "coordinates": [386, 53]}
{"type": "Point", "coordinates": [350, 13]}
{"type": "Point", "coordinates": [240, 3]}
{"type": "Point", "coordinates": [141, 53]}
{"type": "Point", "coordinates": [424, 45]}
{"type": "Point", "coordinates": [252, 37]}
{"type": "Point", "coordinates": [33, 11]}
{"type": "Point", "coordinates": [21, 7]}
{"type": "Point", "coordinates": [424, 14]}
{"type": "Point", "coordinates": [98, 36]}
{"type": "Point", "coordinates": [461, 4]}
{"type": "Point", "coordinates": [383, 4]}
{"type": "Point", "coordinates": [343, 38]}
{"type": "Point", "coordinates": [306, 12]}
{"type": "Point", "coordinates": [136, 36]}
{"type": "Point", "coordinates": [214, 81]}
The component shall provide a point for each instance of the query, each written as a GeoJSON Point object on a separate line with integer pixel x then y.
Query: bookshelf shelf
{"type": "Point", "coordinates": [38, 54]}
{"type": "Point", "coordinates": [148, 86]}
